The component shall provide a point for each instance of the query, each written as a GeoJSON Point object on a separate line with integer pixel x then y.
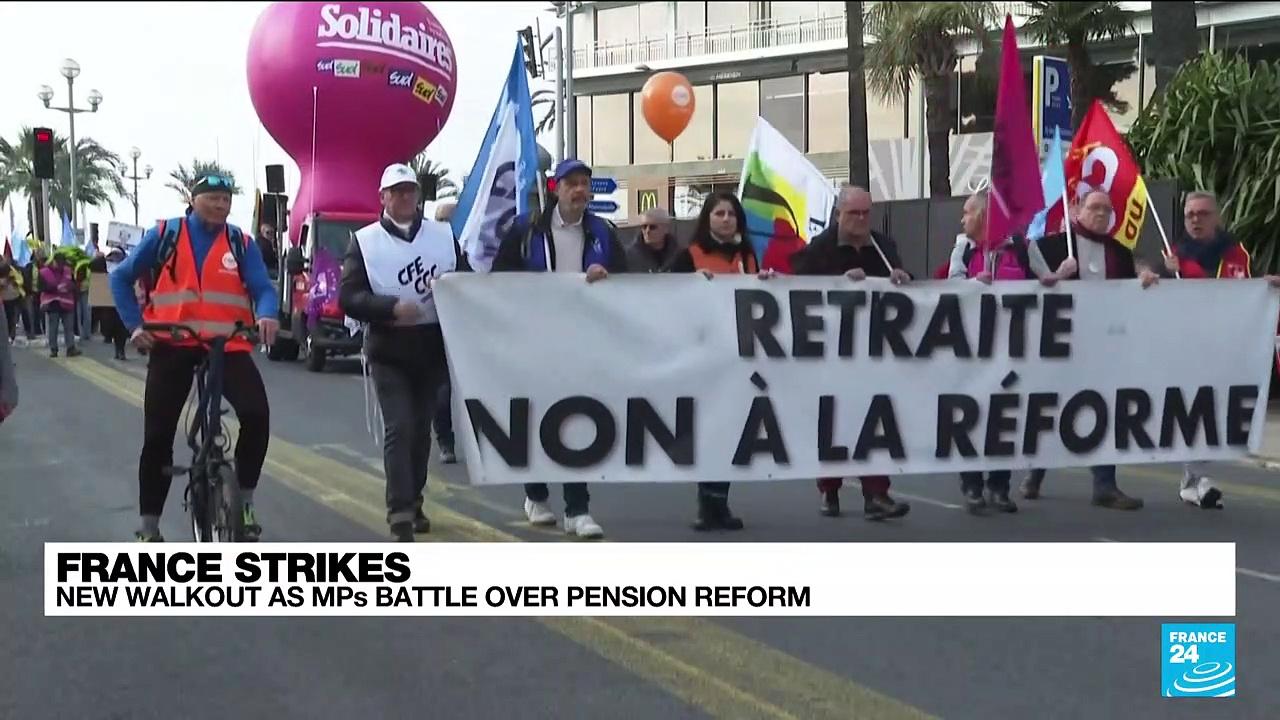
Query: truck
{"type": "Point", "coordinates": [311, 323]}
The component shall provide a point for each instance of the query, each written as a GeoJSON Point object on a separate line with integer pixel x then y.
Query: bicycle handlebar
{"type": "Point", "coordinates": [179, 332]}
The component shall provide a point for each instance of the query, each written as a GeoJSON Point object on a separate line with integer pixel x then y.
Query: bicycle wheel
{"type": "Point", "coordinates": [198, 508]}
{"type": "Point", "coordinates": [229, 511]}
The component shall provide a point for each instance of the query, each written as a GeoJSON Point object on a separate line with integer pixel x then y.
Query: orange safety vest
{"type": "Point", "coordinates": [743, 262]}
{"type": "Point", "coordinates": [210, 300]}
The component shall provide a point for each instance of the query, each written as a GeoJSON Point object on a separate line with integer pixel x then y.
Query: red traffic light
{"type": "Point", "coordinates": [43, 135]}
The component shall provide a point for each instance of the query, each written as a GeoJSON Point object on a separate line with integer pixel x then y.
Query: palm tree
{"type": "Point", "coordinates": [183, 178]}
{"type": "Point", "coordinates": [919, 39]}
{"type": "Point", "coordinates": [1175, 38]}
{"type": "Point", "coordinates": [548, 120]}
{"type": "Point", "coordinates": [1076, 24]}
{"type": "Point", "coordinates": [430, 171]}
{"type": "Point", "coordinates": [97, 179]}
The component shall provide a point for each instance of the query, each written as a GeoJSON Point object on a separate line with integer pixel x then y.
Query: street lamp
{"type": "Point", "coordinates": [71, 70]}
{"type": "Point", "coordinates": [135, 153]}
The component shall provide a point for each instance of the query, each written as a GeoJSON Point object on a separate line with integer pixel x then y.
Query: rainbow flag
{"type": "Point", "coordinates": [783, 194]}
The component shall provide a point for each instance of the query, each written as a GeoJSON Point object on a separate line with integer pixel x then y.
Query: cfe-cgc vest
{"type": "Point", "coordinates": [742, 262]}
{"type": "Point", "coordinates": [407, 270]}
{"type": "Point", "coordinates": [210, 299]}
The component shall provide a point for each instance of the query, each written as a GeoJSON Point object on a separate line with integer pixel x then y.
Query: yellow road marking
{"type": "Point", "coordinates": [711, 668]}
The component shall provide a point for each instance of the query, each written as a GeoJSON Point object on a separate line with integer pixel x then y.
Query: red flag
{"type": "Point", "coordinates": [1015, 195]}
{"type": "Point", "coordinates": [1100, 160]}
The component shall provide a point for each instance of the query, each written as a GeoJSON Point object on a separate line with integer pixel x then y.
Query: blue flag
{"type": "Point", "coordinates": [68, 233]}
{"type": "Point", "coordinates": [18, 240]}
{"type": "Point", "coordinates": [1053, 178]}
{"type": "Point", "coordinates": [505, 173]}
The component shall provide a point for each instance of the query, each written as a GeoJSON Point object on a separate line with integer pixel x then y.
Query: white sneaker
{"type": "Point", "coordinates": [20, 342]}
{"type": "Point", "coordinates": [582, 526]}
{"type": "Point", "coordinates": [538, 513]}
{"type": "Point", "coordinates": [1201, 493]}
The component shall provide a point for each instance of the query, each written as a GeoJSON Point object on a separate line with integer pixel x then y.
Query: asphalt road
{"type": "Point", "coordinates": [68, 473]}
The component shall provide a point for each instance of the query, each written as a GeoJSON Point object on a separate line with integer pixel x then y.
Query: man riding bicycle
{"type": "Point", "coordinates": [211, 276]}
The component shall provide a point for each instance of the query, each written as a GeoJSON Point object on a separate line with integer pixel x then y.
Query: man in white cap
{"type": "Point", "coordinates": [387, 281]}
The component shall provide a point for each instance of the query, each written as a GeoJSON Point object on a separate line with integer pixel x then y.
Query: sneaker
{"type": "Point", "coordinates": [421, 525]}
{"type": "Point", "coordinates": [121, 356]}
{"type": "Point", "coordinates": [884, 508]}
{"type": "Point", "coordinates": [974, 502]}
{"type": "Point", "coordinates": [538, 513]}
{"type": "Point", "coordinates": [251, 530]}
{"type": "Point", "coordinates": [402, 531]}
{"type": "Point", "coordinates": [1116, 500]}
{"type": "Point", "coordinates": [147, 536]}
{"type": "Point", "coordinates": [582, 526]}
{"type": "Point", "coordinates": [53, 353]}
{"type": "Point", "coordinates": [716, 516]}
{"type": "Point", "coordinates": [447, 455]}
{"type": "Point", "coordinates": [1202, 494]}
{"type": "Point", "coordinates": [1000, 502]}
{"type": "Point", "coordinates": [830, 504]}
{"type": "Point", "coordinates": [1030, 489]}
{"type": "Point", "coordinates": [74, 352]}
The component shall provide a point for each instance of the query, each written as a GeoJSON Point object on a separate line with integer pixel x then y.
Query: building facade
{"type": "Point", "coordinates": [785, 62]}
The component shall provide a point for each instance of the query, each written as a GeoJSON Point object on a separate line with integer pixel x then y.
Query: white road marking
{"type": "Point", "coordinates": [929, 501]}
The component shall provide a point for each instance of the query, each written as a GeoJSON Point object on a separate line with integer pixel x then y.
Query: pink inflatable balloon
{"type": "Point", "coordinates": [384, 77]}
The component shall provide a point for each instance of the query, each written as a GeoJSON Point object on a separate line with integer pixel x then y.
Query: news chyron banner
{"type": "Point", "coordinates": [677, 378]}
{"type": "Point", "coordinates": [637, 579]}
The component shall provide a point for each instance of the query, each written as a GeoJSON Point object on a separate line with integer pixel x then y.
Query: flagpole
{"type": "Point", "coordinates": [1066, 218]}
{"type": "Point", "coordinates": [1168, 250]}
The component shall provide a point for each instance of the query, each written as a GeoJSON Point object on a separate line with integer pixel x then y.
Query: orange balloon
{"type": "Point", "coordinates": [667, 102]}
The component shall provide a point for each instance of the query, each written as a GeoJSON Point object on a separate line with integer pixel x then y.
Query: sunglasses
{"type": "Point", "coordinates": [650, 227]}
{"type": "Point", "coordinates": [215, 181]}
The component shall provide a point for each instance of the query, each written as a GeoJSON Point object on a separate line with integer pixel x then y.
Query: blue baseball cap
{"type": "Point", "coordinates": [568, 166]}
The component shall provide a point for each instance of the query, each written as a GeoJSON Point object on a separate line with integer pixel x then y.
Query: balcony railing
{"type": "Point", "coordinates": [753, 36]}
{"type": "Point", "coordinates": [757, 35]}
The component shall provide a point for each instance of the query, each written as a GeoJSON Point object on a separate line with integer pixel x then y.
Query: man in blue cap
{"type": "Point", "coordinates": [564, 238]}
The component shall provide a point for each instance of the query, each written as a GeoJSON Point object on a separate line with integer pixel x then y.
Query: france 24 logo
{"type": "Point", "coordinates": [1198, 660]}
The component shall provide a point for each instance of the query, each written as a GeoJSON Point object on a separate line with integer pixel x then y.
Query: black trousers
{"type": "Point", "coordinates": [407, 396]}
{"type": "Point", "coordinates": [170, 372]}
{"type": "Point", "coordinates": [113, 327]}
{"type": "Point", "coordinates": [11, 310]}
{"type": "Point", "coordinates": [997, 481]}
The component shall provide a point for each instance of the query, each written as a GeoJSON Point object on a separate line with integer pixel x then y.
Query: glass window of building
{"type": "Point", "coordinates": [611, 120]}
{"type": "Point", "coordinates": [695, 143]}
{"type": "Point", "coordinates": [787, 12]}
{"type": "Point", "coordinates": [782, 104]}
{"type": "Point", "coordinates": [691, 17]}
{"type": "Point", "coordinates": [615, 26]}
{"type": "Point", "coordinates": [653, 20]}
{"type": "Point", "coordinates": [736, 113]}
{"type": "Point", "coordinates": [829, 112]}
{"type": "Point", "coordinates": [724, 14]}
{"type": "Point", "coordinates": [583, 129]}
{"type": "Point", "coordinates": [584, 29]}
{"type": "Point", "coordinates": [649, 147]}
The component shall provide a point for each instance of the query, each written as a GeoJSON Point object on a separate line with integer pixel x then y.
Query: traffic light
{"type": "Point", "coordinates": [530, 52]}
{"type": "Point", "coordinates": [42, 162]}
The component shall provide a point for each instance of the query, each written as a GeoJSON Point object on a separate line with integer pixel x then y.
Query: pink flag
{"type": "Point", "coordinates": [1015, 195]}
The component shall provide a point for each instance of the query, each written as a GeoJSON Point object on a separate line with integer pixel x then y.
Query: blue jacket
{"type": "Point", "coordinates": [142, 261]}
{"type": "Point", "coordinates": [600, 247]}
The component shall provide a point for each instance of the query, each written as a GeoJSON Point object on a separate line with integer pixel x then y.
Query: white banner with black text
{"type": "Point", "coordinates": [676, 378]}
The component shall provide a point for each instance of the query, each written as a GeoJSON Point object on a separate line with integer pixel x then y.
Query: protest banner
{"type": "Point", "coordinates": [123, 236]}
{"type": "Point", "coordinates": [679, 379]}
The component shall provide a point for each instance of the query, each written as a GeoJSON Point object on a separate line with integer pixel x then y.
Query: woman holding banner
{"type": "Point", "coordinates": [717, 248]}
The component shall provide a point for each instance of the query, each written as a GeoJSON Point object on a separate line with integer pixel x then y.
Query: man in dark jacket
{"type": "Point", "coordinates": [656, 246]}
{"type": "Point", "coordinates": [851, 248]}
{"type": "Point", "coordinates": [387, 282]}
{"type": "Point", "coordinates": [563, 239]}
{"type": "Point", "coordinates": [1094, 255]}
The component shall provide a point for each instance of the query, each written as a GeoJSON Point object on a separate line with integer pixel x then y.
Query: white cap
{"type": "Point", "coordinates": [396, 174]}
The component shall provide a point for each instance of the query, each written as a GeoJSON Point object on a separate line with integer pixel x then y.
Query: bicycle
{"type": "Point", "coordinates": [211, 474]}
